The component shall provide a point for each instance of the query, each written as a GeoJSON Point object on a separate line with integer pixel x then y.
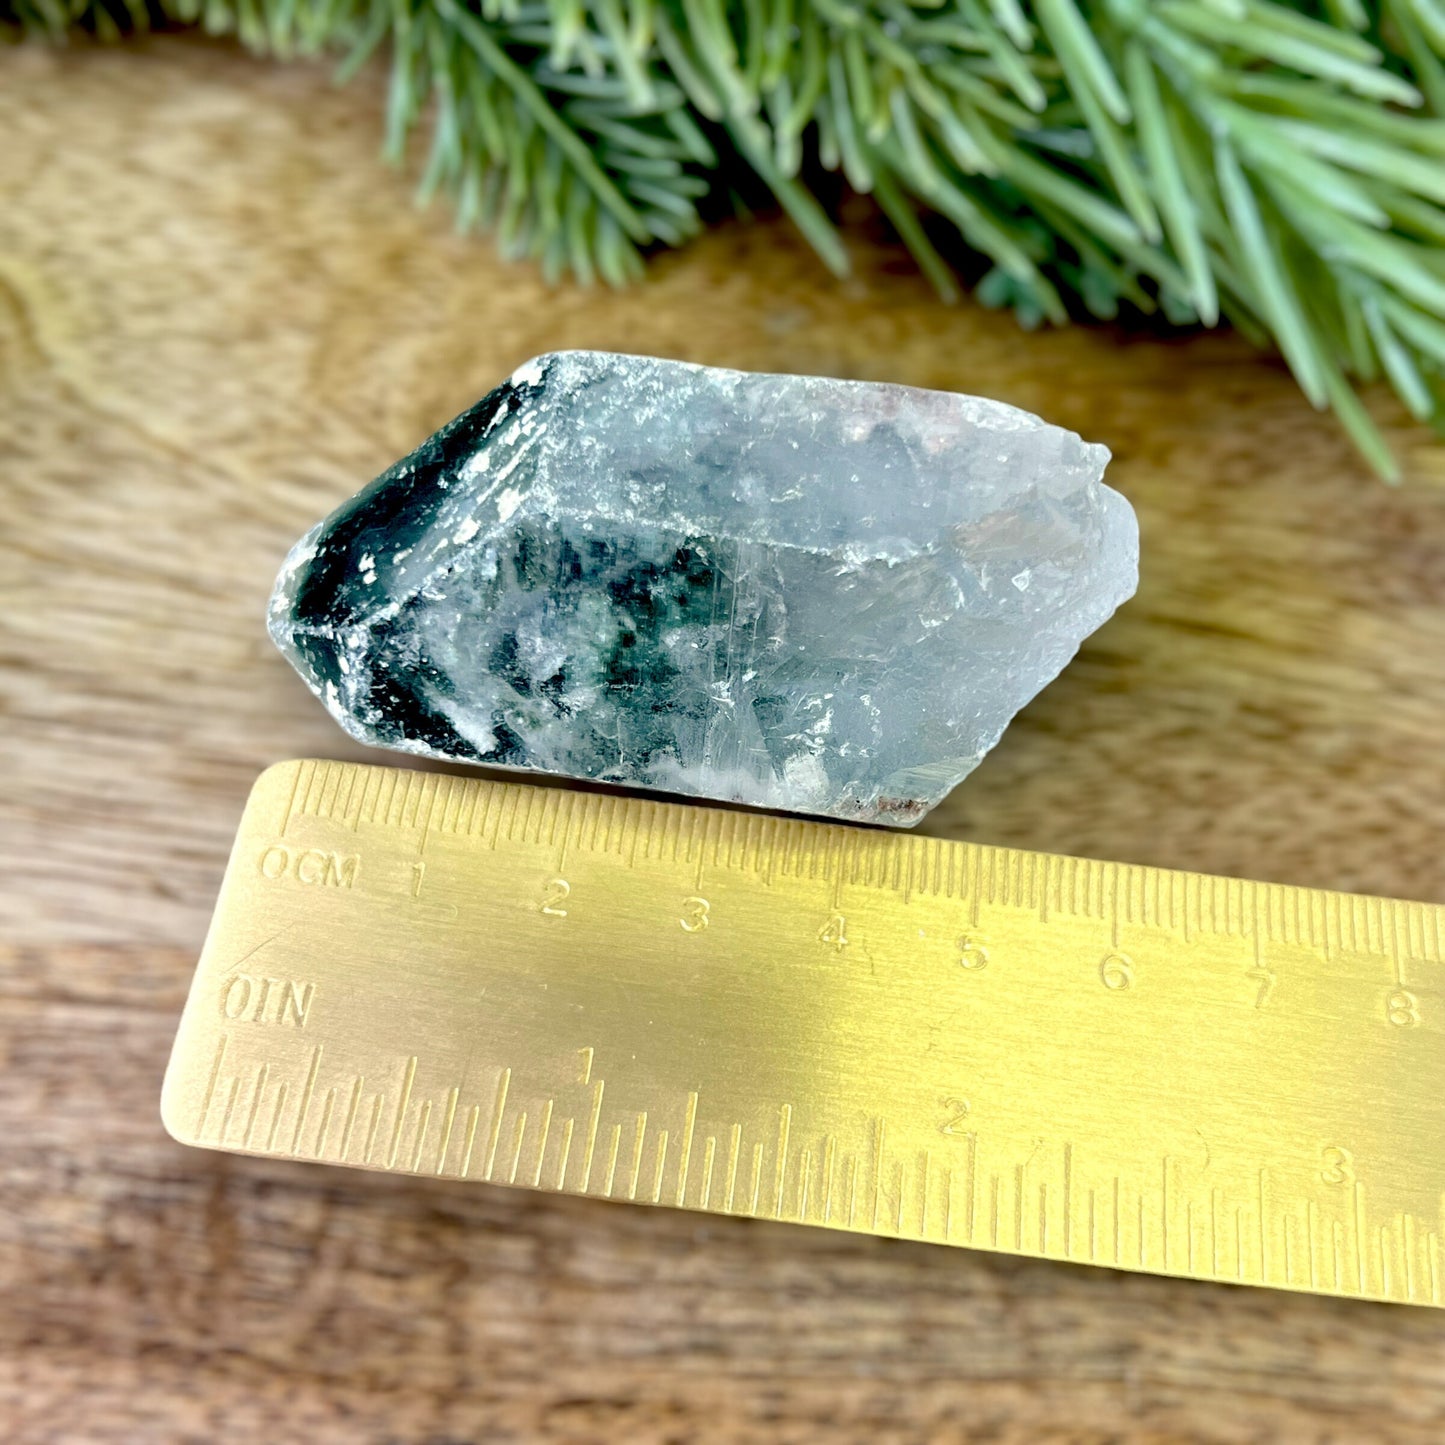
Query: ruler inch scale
{"type": "Point", "coordinates": [666, 1004]}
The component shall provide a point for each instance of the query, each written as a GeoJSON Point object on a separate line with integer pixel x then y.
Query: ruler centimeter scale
{"type": "Point", "coordinates": [720, 1011]}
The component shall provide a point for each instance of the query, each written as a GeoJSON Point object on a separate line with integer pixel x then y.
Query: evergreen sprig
{"type": "Point", "coordinates": [1281, 165]}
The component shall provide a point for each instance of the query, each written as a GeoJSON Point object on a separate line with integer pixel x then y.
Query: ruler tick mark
{"type": "Point", "coordinates": [544, 1129]}
{"type": "Point", "coordinates": [373, 1128]}
{"type": "Point", "coordinates": [322, 1129]}
{"type": "Point", "coordinates": [1019, 1206]}
{"type": "Point", "coordinates": [635, 1173]}
{"type": "Point", "coordinates": [614, 1144]}
{"type": "Point", "coordinates": [423, 1123]}
{"type": "Point", "coordinates": [734, 1149]}
{"type": "Point", "coordinates": [309, 1089]}
{"type": "Point", "coordinates": [1263, 1232]}
{"type": "Point", "coordinates": [684, 1157]}
{"type": "Point", "coordinates": [1118, 1226]}
{"type": "Point", "coordinates": [350, 1123]}
{"type": "Point", "coordinates": [474, 1118]}
{"type": "Point", "coordinates": [709, 1154]}
{"type": "Point", "coordinates": [829, 1165]}
{"type": "Point", "coordinates": [593, 1117]}
{"type": "Point", "coordinates": [230, 1105]}
{"type": "Point", "coordinates": [504, 1080]}
{"type": "Point", "coordinates": [659, 1167]}
{"type": "Point", "coordinates": [276, 1116]}
{"type": "Point", "coordinates": [1407, 1250]}
{"type": "Point", "coordinates": [211, 1084]}
{"type": "Point", "coordinates": [785, 1117]}
{"type": "Point", "coordinates": [1164, 1212]}
{"type": "Point", "coordinates": [756, 1178]}
{"type": "Point", "coordinates": [1359, 1223]}
{"type": "Point", "coordinates": [518, 1134]}
{"type": "Point", "coordinates": [262, 1072]}
{"type": "Point", "coordinates": [447, 1121]}
{"type": "Point", "coordinates": [972, 1184]}
{"type": "Point", "coordinates": [878, 1145]}
{"type": "Point", "coordinates": [402, 1105]}
{"type": "Point", "coordinates": [1068, 1200]}
{"type": "Point", "coordinates": [566, 1150]}
{"type": "Point", "coordinates": [1311, 1262]}
{"type": "Point", "coordinates": [291, 800]}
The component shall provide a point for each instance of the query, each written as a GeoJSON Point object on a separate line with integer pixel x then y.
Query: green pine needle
{"type": "Point", "coordinates": [1279, 165]}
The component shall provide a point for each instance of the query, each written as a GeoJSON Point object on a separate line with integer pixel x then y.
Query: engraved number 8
{"type": "Point", "coordinates": [1402, 1009]}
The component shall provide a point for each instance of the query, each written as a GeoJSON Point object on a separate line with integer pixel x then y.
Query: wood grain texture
{"type": "Point", "coordinates": [218, 315]}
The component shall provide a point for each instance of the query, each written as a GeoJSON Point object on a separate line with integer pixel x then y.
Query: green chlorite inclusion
{"type": "Point", "coordinates": [792, 592]}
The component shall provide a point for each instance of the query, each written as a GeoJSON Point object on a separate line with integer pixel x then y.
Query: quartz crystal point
{"type": "Point", "coordinates": [798, 593]}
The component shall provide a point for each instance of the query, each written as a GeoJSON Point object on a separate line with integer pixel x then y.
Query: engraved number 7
{"type": "Point", "coordinates": [1266, 981]}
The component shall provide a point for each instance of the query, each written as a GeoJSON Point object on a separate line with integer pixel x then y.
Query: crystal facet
{"type": "Point", "coordinates": [798, 593]}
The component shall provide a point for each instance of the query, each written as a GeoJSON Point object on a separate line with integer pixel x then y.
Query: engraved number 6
{"type": "Point", "coordinates": [1116, 971]}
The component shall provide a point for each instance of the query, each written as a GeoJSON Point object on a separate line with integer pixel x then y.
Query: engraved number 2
{"type": "Point", "coordinates": [957, 1121]}
{"type": "Point", "coordinates": [694, 914]}
{"type": "Point", "coordinates": [555, 892]}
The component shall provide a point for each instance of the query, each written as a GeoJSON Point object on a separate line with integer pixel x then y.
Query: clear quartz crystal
{"type": "Point", "coordinates": [793, 592]}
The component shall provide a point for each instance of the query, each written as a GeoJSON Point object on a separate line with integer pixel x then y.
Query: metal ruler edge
{"type": "Point", "coordinates": [669, 1004]}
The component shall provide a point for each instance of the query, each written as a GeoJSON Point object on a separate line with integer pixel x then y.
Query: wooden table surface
{"type": "Point", "coordinates": [218, 315]}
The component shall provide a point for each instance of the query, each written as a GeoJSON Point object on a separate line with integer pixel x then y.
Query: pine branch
{"type": "Point", "coordinates": [1280, 165]}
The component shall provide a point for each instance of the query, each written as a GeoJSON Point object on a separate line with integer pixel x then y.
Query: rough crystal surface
{"type": "Point", "coordinates": [794, 592]}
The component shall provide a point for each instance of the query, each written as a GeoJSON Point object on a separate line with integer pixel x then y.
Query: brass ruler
{"type": "Point", "coordinates": [720, 1011]}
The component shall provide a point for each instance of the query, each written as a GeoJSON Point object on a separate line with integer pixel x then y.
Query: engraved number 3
{"type": "Point", "coordinates": [694, 914]}
{"type": "Point", "coordinates": [1339, 1167]}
